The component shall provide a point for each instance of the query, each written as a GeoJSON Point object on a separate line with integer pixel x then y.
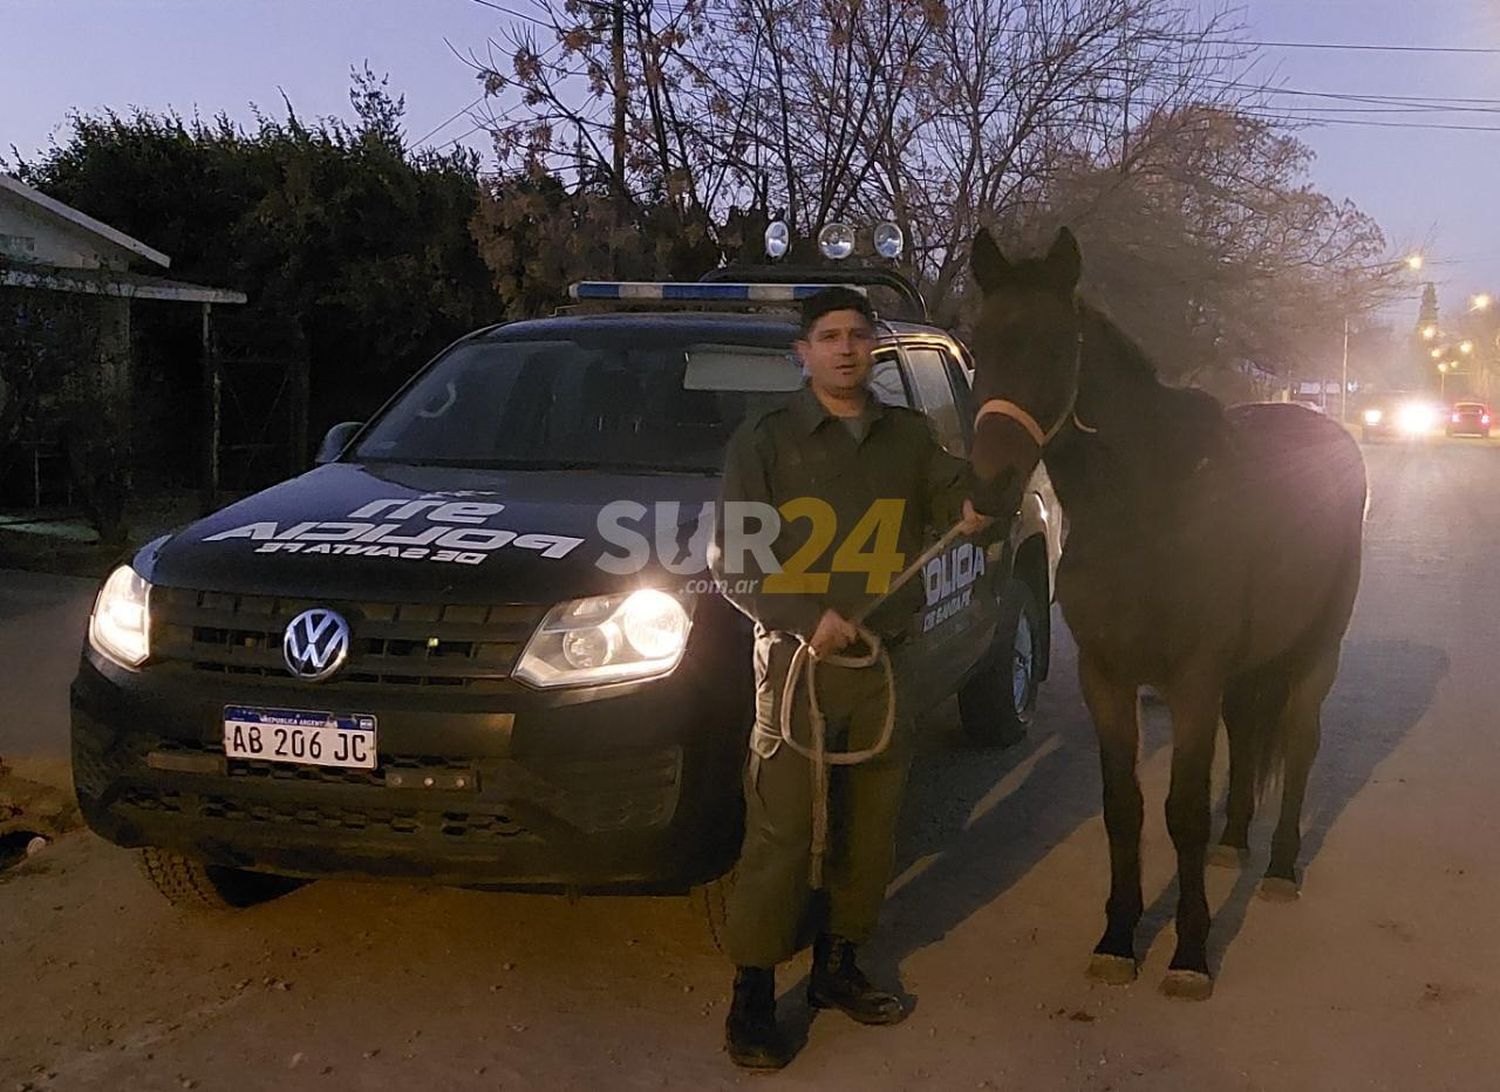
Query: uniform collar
{"type": "Point", "coordinates": [811, 413]}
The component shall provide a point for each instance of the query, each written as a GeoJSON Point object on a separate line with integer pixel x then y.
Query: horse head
{"type": "Point", "coordinates": [1026, 346]}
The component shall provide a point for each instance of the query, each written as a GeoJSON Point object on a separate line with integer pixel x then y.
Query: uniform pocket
{"type": "Point", "coordinates": [765, 737]}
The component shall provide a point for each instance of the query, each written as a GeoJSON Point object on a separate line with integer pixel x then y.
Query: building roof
{"type": "Point", "coordinates": [70, 217]}
{"type": "Point", "coordinates": [136, 286]}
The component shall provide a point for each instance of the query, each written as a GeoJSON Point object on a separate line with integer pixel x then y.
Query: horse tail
{"type": "Point", "coordinates": [1253, 705]}
{"type": "Point", "coordinates": [1270, 687]}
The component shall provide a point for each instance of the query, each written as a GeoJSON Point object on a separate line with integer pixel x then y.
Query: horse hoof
{"type": "Point", "coordinates": [1187, 986]}
{"type": "Point", "coordinates": [1222, 856]}
{"type": "Point", "coordinates": [1112, 970]}
{"type": "Point", "coordinates": [1277, 889]}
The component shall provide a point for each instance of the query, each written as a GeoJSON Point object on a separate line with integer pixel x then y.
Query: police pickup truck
{"type": "Point", "coordinates": [477, 644]}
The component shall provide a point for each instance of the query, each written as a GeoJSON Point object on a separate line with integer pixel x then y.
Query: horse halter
{"type": "Point", "coordinates": [1000, 407]}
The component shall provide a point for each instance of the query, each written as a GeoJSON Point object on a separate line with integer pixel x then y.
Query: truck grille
{"type": "Point", "coordinates": [470, 826]}
{"type": "Point", "coordinates": [619, 791]}
{"type": "Point", "coordinates": [392, 644]}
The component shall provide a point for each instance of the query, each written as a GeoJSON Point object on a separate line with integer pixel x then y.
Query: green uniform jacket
{"type": "Point", "coordinates": [798, 450]}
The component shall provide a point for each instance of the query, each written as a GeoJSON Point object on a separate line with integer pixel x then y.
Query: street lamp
{"type": "Point", "coordinates": [1481, 302]}
{"type": "Point", "coordinates": [1429, 332]}
{"type": "Point", "coordinates": [1445, 369]}
{"type": "Point", "coordinates": [1466, 347]}
{"type": "Point", "coordinates": [1414, 262]}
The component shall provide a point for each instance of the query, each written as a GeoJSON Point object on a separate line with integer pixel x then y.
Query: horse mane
{"type": "Point", "coordinates": [1185, 425]}
{"type": "Point", "coordinates": [1097, 321]}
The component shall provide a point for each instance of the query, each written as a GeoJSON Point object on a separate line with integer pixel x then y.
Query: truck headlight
{"type": "Point", "coordinates": [1373, 416]}
{"type": "Point", "coordinates": [607, 638]}
{"type": "Point", "coordinates": [120, 627]}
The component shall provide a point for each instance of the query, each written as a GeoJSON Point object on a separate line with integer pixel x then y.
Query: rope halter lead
{"type": "Point", "coordinates": [999, 407]}
{"type": "Point", "coordinates": [803, 671]}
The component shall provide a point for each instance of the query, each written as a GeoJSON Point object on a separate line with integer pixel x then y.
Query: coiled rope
{"type": "Point", "coordinates": [803, 671]}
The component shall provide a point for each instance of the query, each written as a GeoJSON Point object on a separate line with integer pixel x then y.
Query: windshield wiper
{"type": "Point", "coordinates": [480, 464]}
{"type": "Point", "coordinates": [544, 464]}
{"type": "Point", "coordinates": [663, 468]}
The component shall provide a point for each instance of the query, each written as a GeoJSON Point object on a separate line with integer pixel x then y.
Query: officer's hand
{"type": "Point", "coordinates": [834, 633]}
{"type": "Point", "coordinates": [973, 522]}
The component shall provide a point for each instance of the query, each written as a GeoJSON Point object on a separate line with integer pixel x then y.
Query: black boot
{"type": "Point", "coordinates": [750, 1032]}
{"type": "Point", "coordinates": [836, 983]}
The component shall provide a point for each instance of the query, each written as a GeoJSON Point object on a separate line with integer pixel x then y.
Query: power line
{"type": "Point", "coordinates": [464, 136]}
{"type": "Point", "coordinates": [460, 112]}
{"type": "Point", "coordinates": [1362, 47]}
{"type": "Point", "coordinates": [515, 14]}
{"type": "Point", "coordinates": [1271, 115]}
{"type": "Point", "coordinates": [1436, 102]}
{"type": "Point", "coordinates": [1418, 110]}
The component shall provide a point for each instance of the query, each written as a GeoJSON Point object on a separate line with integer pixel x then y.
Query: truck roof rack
{"type": "Point", "coordinates": [749, 287]}
{"type": "Point", "coordinates": [727, 293]}
{"type": "Point", "coordinates": [861, 278]}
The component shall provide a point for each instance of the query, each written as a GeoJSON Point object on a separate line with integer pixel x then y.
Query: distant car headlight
{"type": "Point", "coordinates": [607, 638]}
{"type": "Point", "coordinates": [120, 627]}
{"type": "Point", "coordinates": [1415, 418]}
{"type": "Point", "coordinates": [1373, 416]}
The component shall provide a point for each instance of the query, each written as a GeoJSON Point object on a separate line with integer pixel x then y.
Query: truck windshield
{"type": "Point", "coordinates": [617, 405]}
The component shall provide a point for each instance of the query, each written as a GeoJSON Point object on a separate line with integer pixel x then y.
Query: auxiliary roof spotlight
{"type": "Point", "coordinates": [778, 239]}
{"type": "Point", "coordinates": [836, 241]}
{"type": "Point", "coordinates": [889, 242]}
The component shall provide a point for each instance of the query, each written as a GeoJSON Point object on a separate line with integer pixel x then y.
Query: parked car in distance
{"type": "Point", "coordinates": [1469, 419]}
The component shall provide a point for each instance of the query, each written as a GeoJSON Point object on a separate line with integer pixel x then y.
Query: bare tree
{"type": "Point", "coordinates": [1121, 117]}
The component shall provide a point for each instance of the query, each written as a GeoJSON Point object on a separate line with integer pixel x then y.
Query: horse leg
{"type": "Point", "coordinates": [1240, 712]}
{"type": "Point", "coordinates": [1302, 730]}
{"type": "Point", "coordinates": [1195, 723]}
{"type": "Point", "coordinates": [1252, 705]}
{"type": "Point", "coordinates": [1116, 711]}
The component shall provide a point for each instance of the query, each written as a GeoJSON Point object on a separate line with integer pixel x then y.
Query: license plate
{"type": "Point", "coordinates": [299, 736]}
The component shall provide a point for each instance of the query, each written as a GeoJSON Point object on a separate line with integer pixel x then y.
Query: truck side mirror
{"type": "Point", "coordinates": [336, 440]}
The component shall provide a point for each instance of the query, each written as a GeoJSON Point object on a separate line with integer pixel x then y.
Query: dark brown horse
{"type": "Point", "coordinates": [1212, 555]}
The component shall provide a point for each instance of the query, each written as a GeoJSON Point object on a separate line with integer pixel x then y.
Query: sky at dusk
{"type": "Point", "coordinates": [1427, 187]}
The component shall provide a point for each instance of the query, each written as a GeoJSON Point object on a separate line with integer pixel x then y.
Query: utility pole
{"type": "Point", "coordinates": [1344, 386]}
{"type": "Point", "coordinates": [617, 56]}
{"type": "Point", "coordinates": [617, 59]}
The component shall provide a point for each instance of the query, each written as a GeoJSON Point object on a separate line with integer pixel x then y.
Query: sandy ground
{"type": "Point", "coordinates": [1384, 975]}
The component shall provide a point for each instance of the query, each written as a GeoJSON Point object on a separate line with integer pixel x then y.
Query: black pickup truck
{"type": "Point", "coordinates": [432, 657]}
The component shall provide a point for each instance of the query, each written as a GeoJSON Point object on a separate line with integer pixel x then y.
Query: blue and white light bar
{"type": "Point", "coordinates": [696, 292]}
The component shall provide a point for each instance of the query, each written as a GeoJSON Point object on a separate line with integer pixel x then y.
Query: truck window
{"type": "Point", "coordinates": [886, 380]}
{"type": "Point", "coordinates": [961, 382]}
{"type": "Point", "coordinates": [929, 374]}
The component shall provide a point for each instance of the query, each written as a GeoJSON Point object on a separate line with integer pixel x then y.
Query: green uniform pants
{"type": "Point", "coordinates": [769, 902]}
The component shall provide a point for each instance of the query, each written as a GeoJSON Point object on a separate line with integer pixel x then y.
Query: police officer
{"type": "Point", "coordinates": [888, 483]}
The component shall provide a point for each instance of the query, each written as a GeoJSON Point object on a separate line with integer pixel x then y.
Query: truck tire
{"type": "Point", "coordinates": [996, 704]}
{"type": "Point", "coordinates": [193, 885]}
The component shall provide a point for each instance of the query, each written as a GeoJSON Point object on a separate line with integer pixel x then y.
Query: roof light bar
{"type": "Point", "coordinates": [695, 291]}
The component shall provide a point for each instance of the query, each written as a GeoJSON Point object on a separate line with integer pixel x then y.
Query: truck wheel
{"type": "Point", "coordinates": [193, 885]}
{"type": "Point", "coordinates": [995, 705]}
{"type": "Point", "coordinates": [713, 904]}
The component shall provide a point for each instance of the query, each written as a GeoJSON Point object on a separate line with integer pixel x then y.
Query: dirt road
{"type": "Point", "coordinates": [1385, 975]}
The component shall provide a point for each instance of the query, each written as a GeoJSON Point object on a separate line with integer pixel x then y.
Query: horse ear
{"type": "Point", "coordinates": [989, 266]}
{"type": "Point", "coordinates": [1064, 261]}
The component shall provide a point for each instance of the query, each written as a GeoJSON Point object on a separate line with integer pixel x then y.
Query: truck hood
{"type": "Point", "coordinates": [397, 533]}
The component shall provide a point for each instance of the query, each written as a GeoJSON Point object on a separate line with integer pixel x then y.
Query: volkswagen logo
{"type": "Point", "coordinates": [316, 644]}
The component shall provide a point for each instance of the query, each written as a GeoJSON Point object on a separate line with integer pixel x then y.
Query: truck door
{"type": "Point", "coordinates": [961, 585]}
